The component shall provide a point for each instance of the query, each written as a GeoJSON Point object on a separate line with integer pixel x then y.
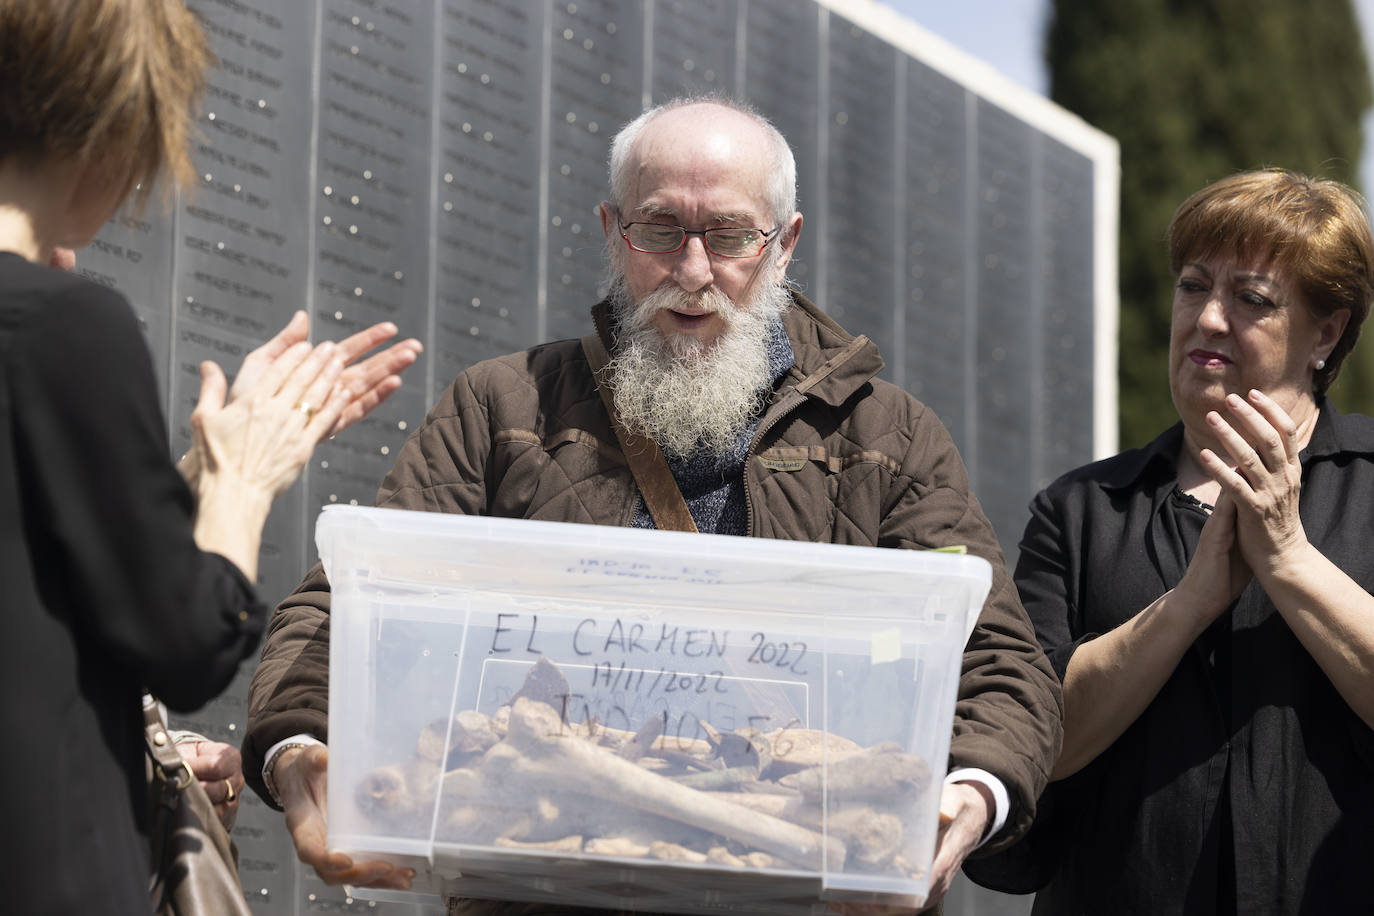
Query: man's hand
{"type": "Point", "coordinates": [300, 778]}
{"type": "Point", "coordinates": [965, 812]}
{"type": "Point", "coordinates": [219, 769]}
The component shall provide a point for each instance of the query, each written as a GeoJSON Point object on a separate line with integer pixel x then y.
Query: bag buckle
{"type": "Point", "coordinates": [183, 778]}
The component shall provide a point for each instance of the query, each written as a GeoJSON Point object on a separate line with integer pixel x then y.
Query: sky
{"type": "Point", "coordinates": [1008, 34]}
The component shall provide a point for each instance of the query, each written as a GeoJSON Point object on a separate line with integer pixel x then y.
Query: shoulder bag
{"type": "Point", "coordinates": [194, 862]}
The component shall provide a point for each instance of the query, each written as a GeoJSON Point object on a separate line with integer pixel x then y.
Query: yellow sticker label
{"type": "Point", "coordinates": [885, 646]}
{"type": "Point", "coordinates": [951, 548]}
{"type": "Point", "coordinates": [783, 464]}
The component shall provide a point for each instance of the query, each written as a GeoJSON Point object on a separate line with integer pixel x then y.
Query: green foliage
{"type": "Point", "coordinates": [1195, 90]}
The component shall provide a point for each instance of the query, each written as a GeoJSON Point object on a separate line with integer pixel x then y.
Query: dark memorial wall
{"type": "Point", "coordinates": [438, 163]}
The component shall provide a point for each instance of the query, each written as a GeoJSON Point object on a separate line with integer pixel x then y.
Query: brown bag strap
{"type": "Point", "coordinates": [650, 469]}
{"type": "Point", "coordinates": [169, 767]}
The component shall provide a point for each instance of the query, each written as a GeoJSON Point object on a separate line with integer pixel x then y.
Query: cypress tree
{"type": "Point", "coordinates": [1196, 90]}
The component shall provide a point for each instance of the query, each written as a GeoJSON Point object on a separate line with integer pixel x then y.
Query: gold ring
{"type": "Point", "coordinates": [305, 409]}
{"type": "Point", "coordinates": [229, 794]}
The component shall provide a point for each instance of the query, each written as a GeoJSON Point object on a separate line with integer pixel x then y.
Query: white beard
{"type": "Point", "coordinates": [692, 398]}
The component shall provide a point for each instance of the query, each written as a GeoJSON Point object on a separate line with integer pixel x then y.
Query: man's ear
{"type": "Point", "coordinates": [790, 232]}
{"type": "Point", "coordinates": [610, 219]}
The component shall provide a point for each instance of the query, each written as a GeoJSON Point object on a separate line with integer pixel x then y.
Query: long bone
{"type": "Point", "coordinates": [546, 753]}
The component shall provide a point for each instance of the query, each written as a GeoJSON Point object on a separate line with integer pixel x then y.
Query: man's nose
{"type": "Point", "coordinates": [693, 269]}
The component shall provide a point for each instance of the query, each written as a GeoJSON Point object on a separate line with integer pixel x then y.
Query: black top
{"type": "Point", "coordinates": [105, 592]}
{"type": "Point", "coordinates": [1263, 768]}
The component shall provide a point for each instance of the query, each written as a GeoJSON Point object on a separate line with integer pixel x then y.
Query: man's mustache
{"type": "Point", "coordinates": [675, 298]}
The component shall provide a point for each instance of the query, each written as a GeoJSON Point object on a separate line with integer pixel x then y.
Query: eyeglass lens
{"type": "Point", "coordinates": [730, 243]}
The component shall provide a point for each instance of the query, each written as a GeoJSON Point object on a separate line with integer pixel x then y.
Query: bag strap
{"type": "Point", "coordinates": [650, 469]}
{"type": "Point", "coordinates": [169, 767]}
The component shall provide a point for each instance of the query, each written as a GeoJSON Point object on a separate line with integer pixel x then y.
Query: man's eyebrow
{"type": "Point", "coordinates": [733, 218]}
{"type": "Point", "coordinates": [653, 210]}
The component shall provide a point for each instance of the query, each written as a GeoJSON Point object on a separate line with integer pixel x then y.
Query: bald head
{"type": "Point", "coordinates": [706, 138]}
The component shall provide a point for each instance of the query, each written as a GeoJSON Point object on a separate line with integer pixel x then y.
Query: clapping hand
{"type": "Point", "coordinates": [1266, 482]}
{"type": "Point", "coordinates": [366, 384]}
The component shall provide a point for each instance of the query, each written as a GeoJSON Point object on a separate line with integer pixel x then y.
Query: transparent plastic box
{"type": "Point", "coordinates": [656, 721]}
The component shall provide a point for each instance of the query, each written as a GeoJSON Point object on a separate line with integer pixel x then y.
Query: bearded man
{"type": "Point", "coordinates": [772, 421]}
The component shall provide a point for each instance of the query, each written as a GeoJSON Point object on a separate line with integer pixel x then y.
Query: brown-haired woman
{"type": "Point", "coordinates": [117, 575]}
{"type": "Point", "coordinates": [1206, 599]}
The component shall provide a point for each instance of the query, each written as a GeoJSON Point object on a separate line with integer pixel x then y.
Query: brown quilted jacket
{"type": "Point", "coordinates": [840, 457]}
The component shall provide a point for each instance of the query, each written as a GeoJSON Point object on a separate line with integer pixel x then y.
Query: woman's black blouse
{"type": "Point", "coordinates": [104, 592]}
{"type": "Point", "coordinates": [1247, 785]}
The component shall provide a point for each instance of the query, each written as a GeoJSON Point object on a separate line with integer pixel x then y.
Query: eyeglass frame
{"type": "Point", "coordinates": [768, 237]}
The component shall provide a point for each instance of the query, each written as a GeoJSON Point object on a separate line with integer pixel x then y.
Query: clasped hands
{"type": "Point", "coordinates": [1255, 527]}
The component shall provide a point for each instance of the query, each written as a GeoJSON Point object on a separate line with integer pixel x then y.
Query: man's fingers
{"type": "Point", "coordinates": [338, 868]}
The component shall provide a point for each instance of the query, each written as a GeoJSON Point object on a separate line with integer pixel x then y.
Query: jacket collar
{"type": "Point", "coordinates": [831, 363]}
{"type": "Point", "coordinates": [1335, 434]}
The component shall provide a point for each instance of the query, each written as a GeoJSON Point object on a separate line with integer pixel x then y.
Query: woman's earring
{"type": "Point", "coordinates": [1319, 365]}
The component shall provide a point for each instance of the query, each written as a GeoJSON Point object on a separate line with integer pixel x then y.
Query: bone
{"type": "Point", "coordinates": [772, 805]}
{"type": "Point", "coordinates": [872, 837]}
{"type": "Point", "coordinates": [797, 749]}
{"type": "Point", "coordinates": [562, 811]}
{"type": "Point", "coordinates": [563, 844]}
{"type": "Point", "coordinates": [480, 824]}
{"type": "Point", "coordinates": [398, 793]}
{"type": "Point", "coordinates": [643, 739]}
{"type": "Point", "coordinates": [672, 852]}
{"type": "Point", "coordinates": [663, 744]}
{"type": "Point", "coordinates": [535, 730]}
{"type": "Point", "coordinates": [719, 779]}
{"type": "Point", "coordinates": [617, 846]}
{"type": "Point", "coordinates": [884, 773]}
{"type": "Point", "coordinates": [722, 856]}
{"type": "Point", "coordinates": [500, 721]}
{"type": "Point", "coordinates": [544, 683]}
{"type": "Point", "coordinates": [759, 860]}
{"type": "Point", "coordinates": [465, 736]}
{"type": "Point", "coordinates": [745, 747]}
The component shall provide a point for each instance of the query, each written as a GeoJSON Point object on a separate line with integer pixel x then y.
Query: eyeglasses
{"type": "Point", "coordinates": [659, 238]}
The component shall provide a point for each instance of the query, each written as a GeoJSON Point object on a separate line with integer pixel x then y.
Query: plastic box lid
{"type": "Point", "coordinates": [661, 721]}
